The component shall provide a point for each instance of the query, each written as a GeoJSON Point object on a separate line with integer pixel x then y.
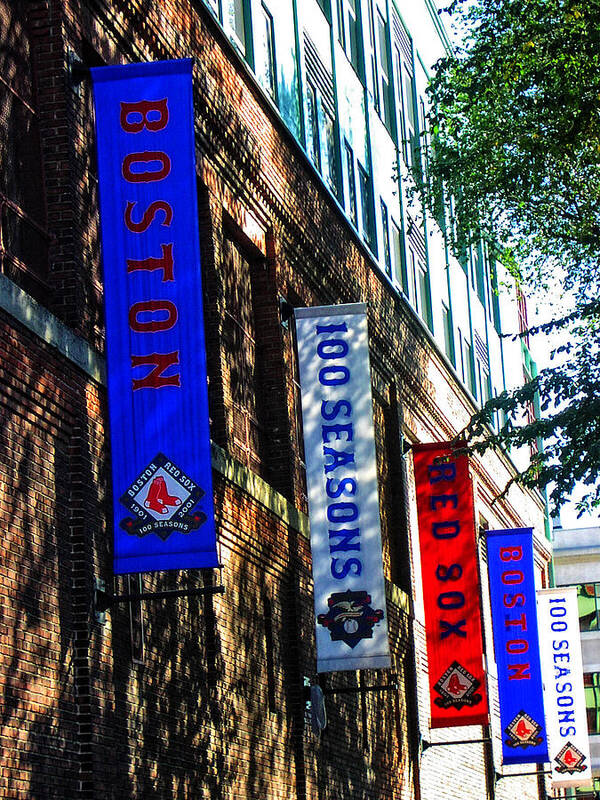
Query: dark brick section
{"type": "Point", "coordinates": [216, 709]}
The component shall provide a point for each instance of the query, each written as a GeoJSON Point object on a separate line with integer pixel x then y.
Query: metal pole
{"type": "Point", "coordinates": [104, 600]}
{"type": "Point", "coordinates": [523, 774]}
{"type": "Point", "coordinates": [360, 689]}
{"type": "Point", "coordinates": [426, 745]}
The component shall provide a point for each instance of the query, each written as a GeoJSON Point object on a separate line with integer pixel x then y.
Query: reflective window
{"type": "Point", "coordinates": [366, 207]}
{"type": "Point", "coordinates": [349, 32]}
{"type": "Point", "coordinates": [312, 127]}
{"type": "Point", "coordinates": [385, 93]}
{"type": "Point", "coordinates": [588, 600]}
{"type": "Point", "coordinates": [448, 334]}
{"type": "Point", "coordinates": [329, 159]}
{"type": "Point", "coordinates": [265, 58]}
{"type": "Point", "coordinates": [385, 228]}
{"type": "Point", "coordinates": [591, 682]}
{"type": "Point", "coordinates": [352, 209]}
{"type": "Point", "coordinates": [399, 264]}
{"type": "Point", "coordinates": [234, 21]}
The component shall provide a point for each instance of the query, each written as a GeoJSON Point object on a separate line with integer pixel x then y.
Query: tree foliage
{"type": "Point", "coordinates": [515, 129]}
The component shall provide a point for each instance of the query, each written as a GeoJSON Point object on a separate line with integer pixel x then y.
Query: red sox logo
{"type": "Point", "coordinates": [162, 499]}
{"type": "Point", "coordinates": [523, 731]}
{"type": "Point", "coordinates": [570, 760]}
{"type": "Point", "coordinates": [457, 687]}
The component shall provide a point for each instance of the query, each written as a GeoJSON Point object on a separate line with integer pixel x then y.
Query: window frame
{"type": "Point", "coordinates": [367, 210]}
{"type": "Point", "coordinates": [386, 108]}
{"type": "Point", "coordinates": [351, 183]}
{"type": "Point", "coordinates": [268, 79]}
{"type": "Point", "coordinates": [385, 234]}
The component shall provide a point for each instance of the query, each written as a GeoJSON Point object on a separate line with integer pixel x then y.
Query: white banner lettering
{"type": "Point", "coordinates": [564, 696]}
{"type": "Point", "coordinates": [341, 476]}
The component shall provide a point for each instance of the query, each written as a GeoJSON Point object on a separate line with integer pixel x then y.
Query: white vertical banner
{"type": "Point", "coordinates": [341, 476]}
{"type": "Point", "coordinates": [564, 695]}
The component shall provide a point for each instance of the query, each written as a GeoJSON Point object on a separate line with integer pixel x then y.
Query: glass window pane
{"type": "Point", "coordinates": [588, 612]}
{"type": "Point", "coordinates": [266, 59]}
{"type": "Point", "coordinates": [399, 265]}
{"type": "Point", "coordinates": [384, 64]}
{"type": "Point", "coordinates": [386, 239]}
{"type": "Point", "coordinates": [423, 302]}
{"type": "Point", "coordinates": [233, 17]}
{"type": "Point", "coordinates": [330, 161]}
{"type": "Point", "coordinates": [341, 28]}
{"type": "Point", "coordinates": [591, 681]}
{"type": "Point", "coordinates": [353, 38]}
{"type": "Point", "coordinates": [312, 127]}
{"type": "Point", "coordinates": [366, 207]}
{"type": "Point", "coordinates": [448, 335]}
{"type": "Point", "coordinates": [351, 184]}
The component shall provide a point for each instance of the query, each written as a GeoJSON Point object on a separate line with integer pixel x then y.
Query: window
{"type": "Point", "coordinates": [486, 387]}
{"type": "Point", "coordinates": [588, 600]}
{"type": "Point", "coordinates": [234, 22]}
{"type": "Point", "coordinates": [349, 32]}
{"type": "Point", "coordinates": [477, 272]}
{"type": "Point", "coordinates": [418, 280]}
{"type": "Point", "coordinates": [373, 56]}
{"type": "Point", "coordinates": [352, 209]}
{"type": "Point", "coordinates": [23, 237]}
{"type": "Point", "coordinates": [385, 89]}
{"type": "Point", "coordinates": [393, 499]}
{"type": "Point", "coordinates": [366, 207]}
{"type": "Point", "coordinates": [399, 263]}
{"type": "Point", "coordinates": [462, 354]}
{"type": "Point", "coordinates": [591, 682]}
{"type": "Point", "coordinates": [448, 334]}
{"type": "Point", "coordinates": [265, 66]}
{"type": "Point", "coordinates": [423, 294]}
{"type": "Point", "coordinates": [329, 159]}
{"type": "Point", "coordinates": [321, 133]}
{"type": "Point", "coordinates": [312, 127]}
{"type": "Point", "coordinates": [406, 90]}
{"type": "Point", "coordinates": [385, 231]}
{"type": "Point", "coordinates": [246, 411]}
{"type": "Point", "coordinates": [469, 369]}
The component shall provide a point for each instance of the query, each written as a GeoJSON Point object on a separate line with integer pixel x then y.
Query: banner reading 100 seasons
{"type": "Point", "coordinates": [341, 475]}
{"type": "Point", "coordinates": [451, 594]}
{"type": "Point", "coordinates": [157, 392]}
{"type": "Point", "coordinates": [516, 646]}
{"type": "Point", "coordinates": [564, 693]}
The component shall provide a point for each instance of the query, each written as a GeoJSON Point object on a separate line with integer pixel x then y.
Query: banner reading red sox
{"type": "Point", "coordinates": [341, 476]}
{"type": "Point", "coordinates": [516, 647]}
{"type": "Point", "coordinates": [157, 392]}
{"type": "Point", "coordinates": [449, 568]}
{"type": "Point", "coordinates": [564, 693]}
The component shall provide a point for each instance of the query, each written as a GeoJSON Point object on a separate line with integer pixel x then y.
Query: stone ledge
{"type": "Point", "coordinates": [50, 329]}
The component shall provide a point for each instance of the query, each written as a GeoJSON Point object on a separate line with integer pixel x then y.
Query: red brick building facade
{"type": "Point", "coordinates": [197, 697]}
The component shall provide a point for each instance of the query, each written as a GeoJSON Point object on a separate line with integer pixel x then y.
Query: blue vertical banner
{"type": "Point", "coordinates": [516, 645]}
{"type": "Point", "coordinates": [157, 387]}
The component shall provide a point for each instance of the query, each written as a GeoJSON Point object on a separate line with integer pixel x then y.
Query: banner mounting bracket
{"type": "Point", "coordinates": [380, 687]}
{"type": "Point", "coordinates": [105, 600]}
{"type": "Point", "coordinates": [425, 745]}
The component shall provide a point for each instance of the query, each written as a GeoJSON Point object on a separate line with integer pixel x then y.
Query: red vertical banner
{"type": "Point", "coordinates": [451, 588]}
